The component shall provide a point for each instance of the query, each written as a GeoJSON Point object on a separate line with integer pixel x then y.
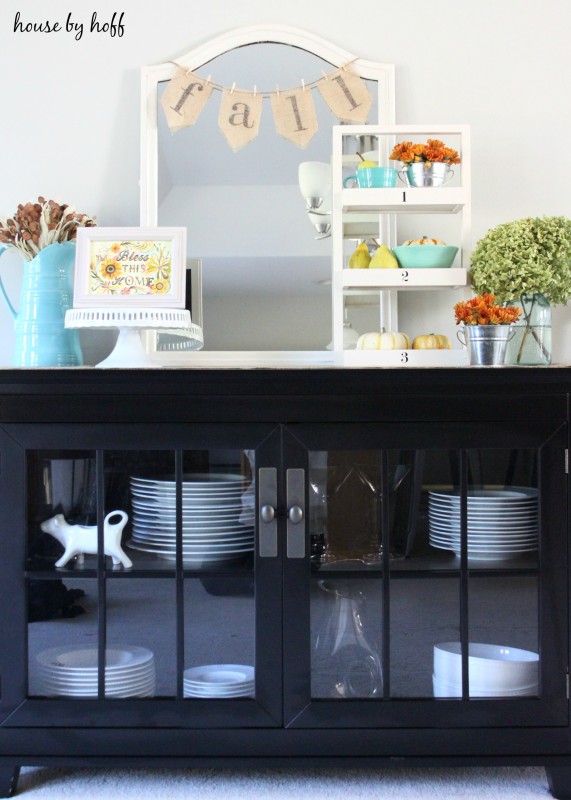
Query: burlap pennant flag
{"type": "Point", "coordinates": [346, 95]}
{"type": "Point", "coordinates": [239, 117]}
{"type": "Point", "coordinates": [184, 98]}
{"type": "Point", "coordinates": [294, 115]}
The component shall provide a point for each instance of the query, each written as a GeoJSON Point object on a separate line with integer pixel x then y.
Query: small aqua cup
{"type": "Point", "coordinates": [373, 178]}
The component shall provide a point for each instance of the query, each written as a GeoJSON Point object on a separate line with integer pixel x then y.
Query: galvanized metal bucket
{"type": "Point", "coordinates": [419, 174]}
{"type": "Point", "coordinates": [486, 344]}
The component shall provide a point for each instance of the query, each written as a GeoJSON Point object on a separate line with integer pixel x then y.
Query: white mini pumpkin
{"type": "Point", "coordinates": [383, 340]}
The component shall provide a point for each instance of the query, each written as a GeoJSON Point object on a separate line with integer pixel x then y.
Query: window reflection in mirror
{"type": "Point", "coordinates": [264, 272]}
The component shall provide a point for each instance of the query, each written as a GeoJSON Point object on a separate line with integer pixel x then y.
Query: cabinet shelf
{"type": "Point", "coordinates": [147, 568]}
{"type": "Point", "coordinates": [404, 200]}
{"type": "Point", "coordinates": [404, 278]}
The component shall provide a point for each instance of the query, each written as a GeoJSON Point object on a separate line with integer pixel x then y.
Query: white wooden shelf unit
{"type": "Point", "coordinates": [359, 214]}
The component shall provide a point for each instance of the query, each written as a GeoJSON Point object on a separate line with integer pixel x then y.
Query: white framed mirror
{"type": "Point", "coordinates": [265, 269]}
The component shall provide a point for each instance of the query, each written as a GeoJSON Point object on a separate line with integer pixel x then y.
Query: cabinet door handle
{"type": "Point", "coordinates": [295, 515]}
{"type": "Point", "coordinates": [267, 513]}
{"type": "Point", "coordinates": [295, 526]}
{"type": "Point", "coordinates": [268, 501]}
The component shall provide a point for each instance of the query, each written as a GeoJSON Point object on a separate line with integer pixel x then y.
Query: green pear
{"type": "Point", "coordinates": [383, 258]}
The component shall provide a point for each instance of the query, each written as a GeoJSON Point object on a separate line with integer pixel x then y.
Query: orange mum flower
{"type": "Point", "coordinates": [433, 151]}
{"type": "Point", "coordinates": [483, 310]}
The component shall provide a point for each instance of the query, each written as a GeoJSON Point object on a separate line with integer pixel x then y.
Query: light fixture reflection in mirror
{"type": "Point", "coordinates": [314, 178]}
{"type": "Point", "coordinates": [321, 223]}
{"type": "Point", "coordinates": [350, 335]}
{"type": "Point", "coordinates": [314, 183]}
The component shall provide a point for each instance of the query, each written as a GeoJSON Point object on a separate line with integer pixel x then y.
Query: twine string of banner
{"type": "Point", "coordinates": [240, 112]}
{"type": "Point", "coordinates": [218, 87]}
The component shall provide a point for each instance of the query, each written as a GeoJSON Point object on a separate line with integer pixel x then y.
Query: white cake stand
{"type": "Point", "coordinates": [129, 350]}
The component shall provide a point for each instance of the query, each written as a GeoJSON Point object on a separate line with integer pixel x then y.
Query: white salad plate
{"type": "Point", "coordinates": [501, 523]}
{"type": "Point", "coordinates": [220, 674]}
{"type": "Point", "coordinates": [207, 480]}
{"type": "Point", "coordinates": [72, 671]}
{"type": "Point", "coordinates": [85, 657]}
{"type": "Point", "coordinates": [193, 538]}
{"type": "Point", "coordinates": [218, 694]}
{"type": "Point", "coordinates": [169, 517]}
{"type": "Point", "coordinates": [135, 685]}
{"type": "Point", "coordinates": [202, 528]}
{"type": "Point", "coordinates": [139, 671]}
{"type": "Point", "coordinates": [509, 495]}
{"type": "Point", "coordinates": [219, 681]}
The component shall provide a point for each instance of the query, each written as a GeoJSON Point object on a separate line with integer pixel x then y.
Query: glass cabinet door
{"type": "Point", "coordinates": [140, 577]}
{"type": "Point", "coordinates": [428, 570]}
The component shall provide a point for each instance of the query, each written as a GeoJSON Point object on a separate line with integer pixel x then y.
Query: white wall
{"type": "Point", "coordinates": [70, 119]}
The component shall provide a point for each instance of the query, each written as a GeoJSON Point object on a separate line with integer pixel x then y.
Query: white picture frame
{"type": "Point", "coordinates": [136, 266]}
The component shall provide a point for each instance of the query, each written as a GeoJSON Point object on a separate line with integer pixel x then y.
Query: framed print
{"type": "Point", "coordinates": [130, 267]}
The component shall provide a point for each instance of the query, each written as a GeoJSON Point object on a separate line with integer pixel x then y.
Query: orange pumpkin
{"type": "Point", "coordinates": [431, 341]}
{"type": "Point", "coordinates": [424, 240]}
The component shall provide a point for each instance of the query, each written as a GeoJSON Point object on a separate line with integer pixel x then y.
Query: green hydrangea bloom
{"type": "Point", "coordinates": [528, 256]}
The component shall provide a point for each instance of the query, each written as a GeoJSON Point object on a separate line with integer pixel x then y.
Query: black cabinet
{"type": "Point", "coordinates": [364, 565]}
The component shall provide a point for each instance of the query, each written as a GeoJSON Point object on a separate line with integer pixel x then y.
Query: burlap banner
{"type": "Point", "coordinates": [294, 115]}
{"type": "Point", "coordinates": [240, 112]}
{"type": "Point", "coordinates": [184, 98]}
{"type": "Point", "coordinates": [346, 95]}
{"type": "Point", "coordinates": [239, 117]}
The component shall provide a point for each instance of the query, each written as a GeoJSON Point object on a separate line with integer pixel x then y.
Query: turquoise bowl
{"type": "Point", "coordinates": [425, 256]}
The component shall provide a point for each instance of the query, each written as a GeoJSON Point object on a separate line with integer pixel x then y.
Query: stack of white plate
{"type": "Point", "coordinates": [493, 670]}
{"type": "Point", "coordinates": [221, 681]}
{"type": "Point", "coordinates": [502, 523]}
{"type": "Point", "coordinates": [68, 671]}
{"type": "Point", "coordinates": [216, 527]}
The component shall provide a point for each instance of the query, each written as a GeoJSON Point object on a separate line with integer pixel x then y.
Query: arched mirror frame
{"type": "Point", "coordinates": [151, 76]}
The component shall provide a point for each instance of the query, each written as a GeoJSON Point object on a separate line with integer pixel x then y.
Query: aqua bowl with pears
{"type": "Point", "coordinates": [425, 256]}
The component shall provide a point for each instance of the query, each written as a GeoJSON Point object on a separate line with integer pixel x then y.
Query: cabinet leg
{"type": "Point", "coordinates": [9, 781]}
{"type": "Point", "coordinates": [559, 780]}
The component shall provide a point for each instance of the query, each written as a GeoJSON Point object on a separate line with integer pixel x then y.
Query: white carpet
{"type": "Point", "coordinates": [505, 783]}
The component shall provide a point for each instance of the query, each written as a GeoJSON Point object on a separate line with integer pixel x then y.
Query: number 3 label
{"type": "Point", "coordinates": [404, 357]}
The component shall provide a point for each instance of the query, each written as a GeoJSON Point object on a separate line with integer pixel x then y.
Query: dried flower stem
{"type": "Point", "coordinates": [37, 225]}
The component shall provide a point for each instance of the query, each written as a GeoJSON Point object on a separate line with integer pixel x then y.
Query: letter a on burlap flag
{"type": "Point", "coordinates": [294, 115]}
{"type": "Point", "coordinates": [239, 117]}
{"type": "Point", "coordinates": [346, 95]}
{"type": "Point", "coordinates": [184, 98]}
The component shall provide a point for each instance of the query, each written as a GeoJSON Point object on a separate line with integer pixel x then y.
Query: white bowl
{"type": "Point", "coordinates": [442, 689]}
{"type": "Point", "coordinates": [491, 667]}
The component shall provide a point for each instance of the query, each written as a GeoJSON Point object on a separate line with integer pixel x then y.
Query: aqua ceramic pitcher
{"type": "Point", "coordinates": [47, 292]}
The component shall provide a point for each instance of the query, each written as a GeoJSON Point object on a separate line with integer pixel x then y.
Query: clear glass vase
{"type": "Point", "coordinates": [531, 344]}
{"type": "Point", "coordinates": [346, 657]}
